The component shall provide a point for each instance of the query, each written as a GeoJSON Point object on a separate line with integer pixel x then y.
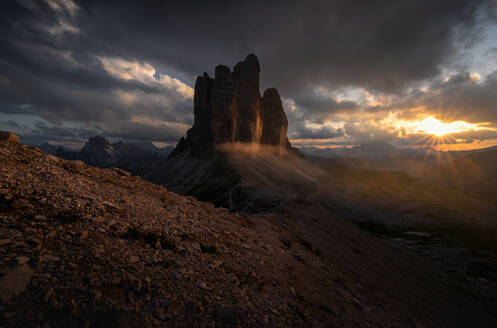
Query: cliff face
{"type": "Point", "coordinates": [229, 108]}
{"type": "Point", "coordinates": [274, 118]}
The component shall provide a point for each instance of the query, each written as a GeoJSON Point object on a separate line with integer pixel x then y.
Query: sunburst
{"type": "Point", "coordinates": [433, 126]}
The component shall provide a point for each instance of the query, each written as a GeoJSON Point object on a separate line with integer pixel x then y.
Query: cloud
{"type": "Point", "coordinates": [319, 108]}
{"type": "Point", "coordinates": [51, 77]}
{"type": "Point", "coordinates": [121, 68]}
{"type": "Point", "coordinates": [319, 133]}
{"type": "Point", "coordinates": [464, 98]}
{"type": "Point", "coordinates": [10, 124]}
{"type": "Point", "coordinates": [380, 46]}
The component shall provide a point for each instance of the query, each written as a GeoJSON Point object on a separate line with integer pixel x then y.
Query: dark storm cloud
{"type": "Point", "coordinates": [367, 132]}
{"type": "Point", "coordinates": [321, 133]}
{"type": "Point", "coordinates": [51, 53]}
{"type": "Point", "coordinates": [47, 69]}
{"type": "Point", "coordinates": [45, 132]}
{"type": "Point", "coordinates": [140, 131]}
{"type": "Point", "coordinates": [10, 124]}
{"type": "Point", "coordinates": [63, 133]}
{"type": "Point", "coordinates": [491, 52]}
{"type": "Point", "coordinates": [382, 45]}
{"type": "Point", "coordinates": [319, 108]}
{"type": "Point", "coordinates": [462, 98]}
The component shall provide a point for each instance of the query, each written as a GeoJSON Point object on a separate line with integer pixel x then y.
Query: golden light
{"type": "Point", "coordinates": [433, 133]}
{"type": "Point", "coordinates": [431, 125]}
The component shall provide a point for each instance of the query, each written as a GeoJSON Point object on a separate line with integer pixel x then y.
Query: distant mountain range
{"type": "Point", "coordinates": [138, 158]}
{"type": "Point", "coordinates": [382, 156]}
{"type": "Point", "coordinates": [476, 172]}
{"type": "Point", "coordinates": [364, 151]}
{"type": "Point", "coordinates": [378, 150]}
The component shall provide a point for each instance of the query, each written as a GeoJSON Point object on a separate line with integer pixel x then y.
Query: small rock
{"type": "Point", "coordinates": [111, 222]}
{"type": "Point", "coordinates": [84, 234]}
{"type": "Point", "coordinates": [22, 259]}
{"type": "Point", "coordinates": [268, 247]}
{"type": "Point", "coordinates": [5, 196]}
{"type": "Point", "coordinates": [19, 203]}
{"type": "Point", "coordinates": [15, 282]}
{"type": "Point", "coordinates": [49, 258]}
{"type": "Point", "coordinates": [121, 172]}
{"type": "Point", "coordinates": [226, 315]}
{"type": "Point", "coordinates": [109, 204]}
{"type": "Point", "coordinates": [4, 241]}
{"type": "Point", "coordinates": [164, 302]}
{"type": "Point", "coordinates": [21, 244]}
{"type": "Point", "coordinates": [48, 294]}
{"type": "Point", "coordinates": [196, 247]}
{"type": "Point", "coordinates": [98, 219]}
{"type": "Point", "coordinates": [53, 158]}
{"type": "Point", "coordinates": [9, 315]}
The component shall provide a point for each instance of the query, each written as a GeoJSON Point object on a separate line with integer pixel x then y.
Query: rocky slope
{"type": "Point", "coordinates": [92, 247]}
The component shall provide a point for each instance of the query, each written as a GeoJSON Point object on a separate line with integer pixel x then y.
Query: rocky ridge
{"type": "Point", "coordinates": [99, 152]}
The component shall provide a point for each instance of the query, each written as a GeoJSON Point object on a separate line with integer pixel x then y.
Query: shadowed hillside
{"type": "Point", "coordinates": [475, 173]}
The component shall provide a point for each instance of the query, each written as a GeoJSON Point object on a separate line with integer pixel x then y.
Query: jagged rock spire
{"type": "Point", "coordinates": [229, 108]}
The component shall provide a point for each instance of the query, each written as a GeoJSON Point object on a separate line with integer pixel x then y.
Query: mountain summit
{"type": "Point", "coordinates": [237, 139]}
{"type": "Point", "coordinates": [228, 108]}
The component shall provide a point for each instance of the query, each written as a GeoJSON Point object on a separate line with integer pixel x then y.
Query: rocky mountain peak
{"type": "Point", "coordinates": [228, 108]}
{"type": "Point", "coordinates": [98, 140]}
{"type": "Point", "coordinates": [274, 118]}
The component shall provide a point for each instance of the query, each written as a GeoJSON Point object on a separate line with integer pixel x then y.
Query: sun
{"type": "Point", "coordinates": [433, 126]}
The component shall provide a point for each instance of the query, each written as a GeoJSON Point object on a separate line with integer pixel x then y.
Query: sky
{"type": "Point", "coordinates": [410, 73]}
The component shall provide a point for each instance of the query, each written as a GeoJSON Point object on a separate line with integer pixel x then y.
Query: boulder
{"type": "Point", "coordinates": [15, 282]}
{"type": "Point", "coordinates": [8, 136]}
